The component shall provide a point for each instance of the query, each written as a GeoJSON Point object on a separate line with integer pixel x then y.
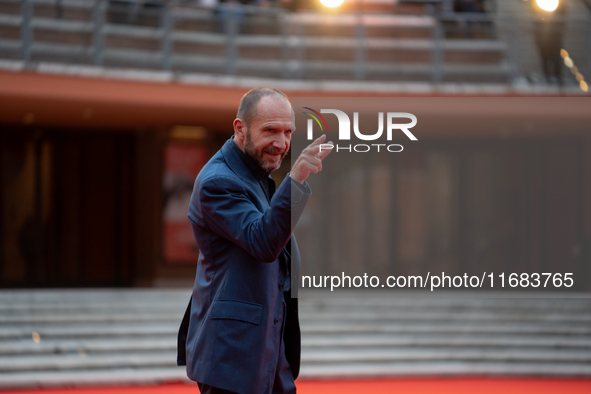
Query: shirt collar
{"type": "Point", "coordinates": [250, 163]}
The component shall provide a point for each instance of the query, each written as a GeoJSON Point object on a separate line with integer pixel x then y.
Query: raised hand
{"type": "Point", "coordinates": [310, 160]}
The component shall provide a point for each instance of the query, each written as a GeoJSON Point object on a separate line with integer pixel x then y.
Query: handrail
{"type": "Point", "coordinates": [292, 50]}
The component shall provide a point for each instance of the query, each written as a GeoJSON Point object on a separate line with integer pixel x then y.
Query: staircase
{"type": "Point", "coordinates": [128, 336]}
{"type": "Point", "coordinates": [405, 333]}
{"type": "Point", "coordinates": [388, 41]}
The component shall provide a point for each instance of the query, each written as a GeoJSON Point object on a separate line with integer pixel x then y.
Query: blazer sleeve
{"type": "Point", "coordinates": [229, 212]}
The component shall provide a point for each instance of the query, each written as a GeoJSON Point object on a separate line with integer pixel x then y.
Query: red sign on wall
{"type": "Point", "coordinates": [182, 163]}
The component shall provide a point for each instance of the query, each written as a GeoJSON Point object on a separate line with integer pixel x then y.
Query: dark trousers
{"type": "Point", "coordinates": [205, 389]}
{"type": "Point", "coordinates": [283, 382]}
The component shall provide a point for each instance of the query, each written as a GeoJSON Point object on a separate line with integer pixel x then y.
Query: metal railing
{"type": "Point", "coordinates": [272, 42]}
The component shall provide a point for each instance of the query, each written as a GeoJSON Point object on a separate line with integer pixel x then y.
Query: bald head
{"type": "Point", "coordinates": [248, 109]}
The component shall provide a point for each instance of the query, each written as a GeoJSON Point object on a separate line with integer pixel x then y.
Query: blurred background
{"type": "Point", "coordinates": [109, 109]}
{"type": "Point", "coordinates": [508, 42]}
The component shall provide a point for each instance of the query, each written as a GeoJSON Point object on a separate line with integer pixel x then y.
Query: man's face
{"type": "Point", "coordinates": [269, 134]}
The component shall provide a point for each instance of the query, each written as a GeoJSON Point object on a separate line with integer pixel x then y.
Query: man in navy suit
{"type": "Point", "coordinates": [241, 333]}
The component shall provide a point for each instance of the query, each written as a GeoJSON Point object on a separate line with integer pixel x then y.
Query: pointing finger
{"type": "Point", "coordinates": [325, 149]}
{"type": "Point", "coordinates": [319, 140]}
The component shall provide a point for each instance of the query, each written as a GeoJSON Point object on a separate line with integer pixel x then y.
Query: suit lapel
{"type": "Point", "coordinates": [291, 249]}
{"type": "Point", "coordinates": [237, 165]}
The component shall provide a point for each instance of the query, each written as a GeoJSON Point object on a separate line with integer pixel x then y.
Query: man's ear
{"type": "Point", "coordinates": [239, 131]}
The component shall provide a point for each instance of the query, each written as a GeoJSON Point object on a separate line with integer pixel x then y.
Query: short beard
{"type": "Point", "coordinates": [251, 151]}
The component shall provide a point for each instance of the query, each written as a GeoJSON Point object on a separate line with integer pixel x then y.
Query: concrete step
{"type": "Point", "coordinates": [449, 340]}
{"type": "Point", "coordinates": [94, 330]}
{"type": "Point", "coordinates": [86, 318]}
{"type": "Point", "coordinates": [446, 304]}
{"type": "Point", "coordinates": [310, 356]}
{"type": "Point", "coordinates": [352, 343]}
{"type": "Point", "coordinates": [86, 361]}
{"type": "Point", "coordinates": [382, 353]}
{"type": "Point", "coordinates": [315, 316]}
{"type": "Point", "coordinates": [466, 315]}
{"type": "Point", "coordinates": [447, 368]}
{"type": "Point", "coordinates": [115, 377]}
{"type": "Point", "coordinates": [151, 376]}
{"type": "Point", "coordinates": [128, 336]}
{"type": "Point", "coordinates": [140, 302]}
{"type": "Point", "coordinates": [396, 328]}
{"type": "Point", "coordinates": [88, 346]}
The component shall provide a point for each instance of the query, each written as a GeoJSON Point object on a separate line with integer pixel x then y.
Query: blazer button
{"type": "Point", "coordinates": [276, 321]}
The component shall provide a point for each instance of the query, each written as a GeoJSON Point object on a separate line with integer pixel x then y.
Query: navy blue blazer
{"type": "Point", "coordinates": [229, 337]}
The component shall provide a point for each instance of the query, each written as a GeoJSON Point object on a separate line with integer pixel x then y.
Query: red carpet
{"type": "Point", "coordinates": [382, 386]}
